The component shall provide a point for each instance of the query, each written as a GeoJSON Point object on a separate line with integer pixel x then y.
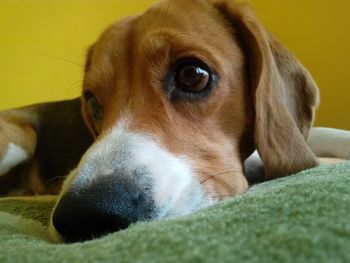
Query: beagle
{"type": "Point", "coordinates": [174, 101]}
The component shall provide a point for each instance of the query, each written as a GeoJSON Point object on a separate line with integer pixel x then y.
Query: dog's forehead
{"type": "Point", "coordinates": [196, 18]}
{"type": "Point", "coordinates": [194, 15]}
{"type": "Point", "coordinates": [168, 26]}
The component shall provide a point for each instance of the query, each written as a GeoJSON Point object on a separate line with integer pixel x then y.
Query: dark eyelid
{"type": "Point", "coordinates": [87, 95]}
{"type": "Point", "coordinates": [191, 60]}
{"type": "Point", "coordinates": [96, 111]}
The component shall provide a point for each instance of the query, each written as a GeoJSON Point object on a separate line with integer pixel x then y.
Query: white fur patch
{"type": "Point", "coordinates": [175, 189]}
{"type": "Point", "coordinates": [13, 157]}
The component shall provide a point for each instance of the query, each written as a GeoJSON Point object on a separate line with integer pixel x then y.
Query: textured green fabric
{"type": "Point", "coordinates": [301, 218]}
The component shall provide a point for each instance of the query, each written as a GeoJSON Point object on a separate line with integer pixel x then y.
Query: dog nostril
{"type": "Point", "coordinates": [136, 199]}
{"type": "Point", "coordinates": [106, 206]}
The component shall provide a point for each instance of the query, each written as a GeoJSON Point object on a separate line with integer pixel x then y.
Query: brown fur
{"type": "Point", "coordinates": [284, 94]}
{"type": "Point", "coordinates": [265, 98]}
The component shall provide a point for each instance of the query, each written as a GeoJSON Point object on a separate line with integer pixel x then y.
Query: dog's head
{"type": "Point", "coordinates": [177, 99]}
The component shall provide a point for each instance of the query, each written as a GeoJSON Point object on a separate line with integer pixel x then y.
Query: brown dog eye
{"type": "Point", "coordinates": [192, 78]}
{"type": "Point", "coordinates": [94, 106]}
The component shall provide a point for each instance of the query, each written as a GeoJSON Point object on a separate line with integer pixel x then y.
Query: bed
{"type": "Point", "coordinates": [301, 218]}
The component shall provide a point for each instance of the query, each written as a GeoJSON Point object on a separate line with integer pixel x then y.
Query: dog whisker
{"type": "Point", "coordinates": [54, 179]}
{"type": "Point", "coordinates": [221, 196]}
{"type": "Point", "coordinates": [62, 59]}
{"type": "Point", "coordinates": [75, 87]}
{"type": "Point", "coordinates": [76, 84]}
{"type": "Point", "coordinates": [218, 174]}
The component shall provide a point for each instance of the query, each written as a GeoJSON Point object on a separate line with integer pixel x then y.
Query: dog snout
{"type": "Point", "coordinates": [108, 205]}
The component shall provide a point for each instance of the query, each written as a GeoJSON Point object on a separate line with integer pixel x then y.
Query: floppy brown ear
{"type": "Point", "coordinates": [283, 92]}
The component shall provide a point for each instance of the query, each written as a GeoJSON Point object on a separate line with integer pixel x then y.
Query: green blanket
{"type": "Point", "coordinates": [301, 218]}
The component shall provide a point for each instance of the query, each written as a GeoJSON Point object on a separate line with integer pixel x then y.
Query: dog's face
{"type": "Point", "coordinates": [177, 98]}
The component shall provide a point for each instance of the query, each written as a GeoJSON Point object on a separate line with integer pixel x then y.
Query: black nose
{"type": "Point", "coordinates": [107, 205]}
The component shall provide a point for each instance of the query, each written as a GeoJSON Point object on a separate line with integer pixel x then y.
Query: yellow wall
{"type": "Point", "coordinates": [43, 42]}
